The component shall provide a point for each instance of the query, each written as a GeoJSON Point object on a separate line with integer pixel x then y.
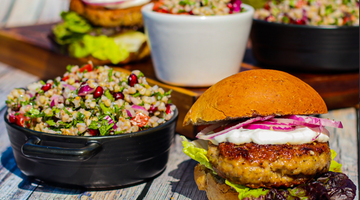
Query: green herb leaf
{"type": "Point", "coordinates": [109, 96]}
{"type": "Point", "coordinates": [51, 122]}
{"type": "Point", "coordinates": [110, 74]}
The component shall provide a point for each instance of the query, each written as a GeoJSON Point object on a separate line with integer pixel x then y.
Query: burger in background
{"type": "Point", "coordinates": [262, 143]}
{"type": "Point", "coordinates": [104, 31]}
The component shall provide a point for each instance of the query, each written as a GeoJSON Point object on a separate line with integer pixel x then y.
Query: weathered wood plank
{"type": "Point", "coordinates": [13, 184]}
{"type": "Point", "coordinates": [25, 12]}
{"type": "Point", "coordinates": [5, 9]}
{"type": "Point", "coordinates": [344, 141]}
{"type": "Point", "coordinates": [177, 181]}
{"type": "Point", "coordinates": [11, 78]}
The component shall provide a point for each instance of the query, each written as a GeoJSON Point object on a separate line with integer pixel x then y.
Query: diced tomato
{"type": "Point", "coordinates": [20, 120]}
{"type": "Point", "coordinates": [12, 118]}
{"type": "Point", "coordinates": [65, 78]}
{"type": "Point", "coordinates": [87, 67]}
{"type": "Point", "coordinates": [157, 6]}
{"type": "Point", "coordinates": [140, 119]}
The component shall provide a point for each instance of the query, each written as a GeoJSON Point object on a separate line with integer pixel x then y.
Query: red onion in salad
{"type": "Point", "coordinates": [129, 113]}
{"type": "Point", "coordinates": [70, 87]}
{"type": "Point", "coordinates": [54, 100]}
{"type": "Point", "coordinates": [140, 108]}
{"type": "Point", "coordinates": [85, 89]}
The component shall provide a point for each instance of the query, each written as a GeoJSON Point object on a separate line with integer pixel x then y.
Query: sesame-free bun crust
{"type": "Point", "coordinates": [101, 16]}
{"type": "Point", "coordinates": [215, 187]}
{"type": "Point", "coordinates": [259, 92]}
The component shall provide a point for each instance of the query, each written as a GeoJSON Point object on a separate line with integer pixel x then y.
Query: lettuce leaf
{"type": "Point", "coordinates": [198, 153]}
{"type": "Point", "coordinates": [334, 166]}
{"type": "Point", "coordinates": [100, 47]}
{"type": "Point", "coordinates": [72, 29]}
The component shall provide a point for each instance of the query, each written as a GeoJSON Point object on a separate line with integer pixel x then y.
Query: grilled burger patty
{"type": "Point", "coordinates": [255, 165]}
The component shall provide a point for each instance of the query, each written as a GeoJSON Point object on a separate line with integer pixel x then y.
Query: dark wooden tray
{"type": "Point", "coordinates": [30, 49]}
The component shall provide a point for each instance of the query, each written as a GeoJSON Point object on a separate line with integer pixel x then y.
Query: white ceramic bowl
{"type": "Point", "coordinates": [196, 51]}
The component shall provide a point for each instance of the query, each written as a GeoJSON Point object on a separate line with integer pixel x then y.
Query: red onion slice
{"type": "Point", "coordinates": [70, 87]}
{"type": "Point", "coordinates": [54, 100]}
{"type": "Point", "coordinates": [85, 89]}
{"type": "Point", "coordinates": [270, 127]}
{"type": "Point", "coordinates": [316, 121]}
{"type": "Point", "coordinates": [129, 113]}
{"type": "Point", "coordinates": [237, 126]}
{"type": "Point", "coordinates": [210, 128]}
{"type": "Point", "coordinates": [140, 108]}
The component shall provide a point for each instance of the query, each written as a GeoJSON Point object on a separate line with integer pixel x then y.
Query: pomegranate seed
{"type": "Point", "coordinates": [168, 111]}
{"type": "Point", "coordinates": [230, 6]}
{"type": "Point", "coordinates": [152, 109]}
{"type": "Point", "coordinates": [98, 92]}
{"type": "Point", "coordinates": [93, 132]}
{"type": "Point", "coordinates": [132, 80]}
{"type": "Point", "coordinates": [191, 12]}
{"type": "Point", "coordinates": [118, 95]}
{"type": "Point", "coordinates": [12, 118]}
{"type": "Point", "coordinates": [300, 22]}
{"type": "Point", "coordinates": [46, 87]}
{"type": "Point", "coordinates": [83, 83]}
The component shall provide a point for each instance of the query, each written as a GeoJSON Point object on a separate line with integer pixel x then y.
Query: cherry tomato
{"type": "Point", "coordinates": [87, 67]}
{"type": "Point", "coordinates": [140, 119]}
{"type": "Point", "coordinates": [20, 120]}
{"type": "Point", "coordinates": [12, 118]}
{"type": "Point", "coordinates": [93, 132]}
{"type": "Point", "coordinates": [65, 78]}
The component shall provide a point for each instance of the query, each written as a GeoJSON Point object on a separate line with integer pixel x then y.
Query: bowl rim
{"type": "Point", "coordinates": [147, 10]}
{"type": "Point", "coordinates": [125, 135]}
{"type": "Point", "coordinates": [330, 27]}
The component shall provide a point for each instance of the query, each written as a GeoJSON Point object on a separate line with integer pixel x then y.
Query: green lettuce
{"type": "Point", "coordinates": [72, 29]}
{"type": "Point", "coordinates": [100, 47]}
{"type": "Point", "coordinates": [198, 153]}
{"type": "Point", "coordinates": [74, 33]}
{"type": "Point", "coordinates": [334, 166]}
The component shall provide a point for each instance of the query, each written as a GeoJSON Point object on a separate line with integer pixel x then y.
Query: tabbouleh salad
{"type": "Point", "coordinates": [90, 101]}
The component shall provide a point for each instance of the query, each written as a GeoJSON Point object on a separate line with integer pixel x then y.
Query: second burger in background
{"type": "Point", "coordinates": [104, 31]}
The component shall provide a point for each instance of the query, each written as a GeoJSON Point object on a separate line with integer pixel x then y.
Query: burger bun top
{"type": "Point", "coordinates": [252, 93]}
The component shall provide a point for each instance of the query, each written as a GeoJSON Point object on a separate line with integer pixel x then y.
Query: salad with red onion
{"type": "Point", "coordinates": [90, 101]}
{"type": "Point", "coordinates": [198, 7]}
{"type": "Point", "coordinates": [311, 12]}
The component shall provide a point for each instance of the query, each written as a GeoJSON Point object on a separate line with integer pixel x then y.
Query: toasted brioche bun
{"type": "Point", "coordinates": [252, 93]}
{"type": "Point", "coordinates": [215, 187]}
{"type": "Point", "coordinates": [101, 16]}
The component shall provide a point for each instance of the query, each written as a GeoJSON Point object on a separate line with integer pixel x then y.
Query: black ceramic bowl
{"type": "Point", "coordinates": [305, 48]}
{"type": "Point", "coordinates": [93, 162]}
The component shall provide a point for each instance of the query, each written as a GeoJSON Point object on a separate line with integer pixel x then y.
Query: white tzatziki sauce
{"type": "Point", "coordinates": [115, 4]}
{"type": "Point", "coordinates": [300, 135]}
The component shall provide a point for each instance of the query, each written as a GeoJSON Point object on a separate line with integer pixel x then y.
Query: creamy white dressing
{"type": "Point", "coordinates": [118, 4]}
{"type": "Point", "coordinates": [300, 135]}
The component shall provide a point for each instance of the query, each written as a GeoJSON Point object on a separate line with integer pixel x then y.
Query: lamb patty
{"type": "Point", "coordinates": [269, 166]}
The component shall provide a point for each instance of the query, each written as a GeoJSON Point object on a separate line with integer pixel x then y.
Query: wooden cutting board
{"type": "Point", "coordinates": [30, 49]}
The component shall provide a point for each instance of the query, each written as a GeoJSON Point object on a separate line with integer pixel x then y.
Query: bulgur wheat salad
{"type": "Point", "coordinates": [198, 7]}
{"type": "Point", "coordinates": [311, 12]}
{"type": "Point", "coordinates": [90, 101]}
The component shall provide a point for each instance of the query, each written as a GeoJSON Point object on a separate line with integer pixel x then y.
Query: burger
{"type": "Point", "coordinates": [262, 140]}
{"type": "Point", "coordinates": [103, 31]}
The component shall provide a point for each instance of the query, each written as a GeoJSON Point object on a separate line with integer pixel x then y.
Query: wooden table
{"type": "Point", "coordinates": [176, 182]}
